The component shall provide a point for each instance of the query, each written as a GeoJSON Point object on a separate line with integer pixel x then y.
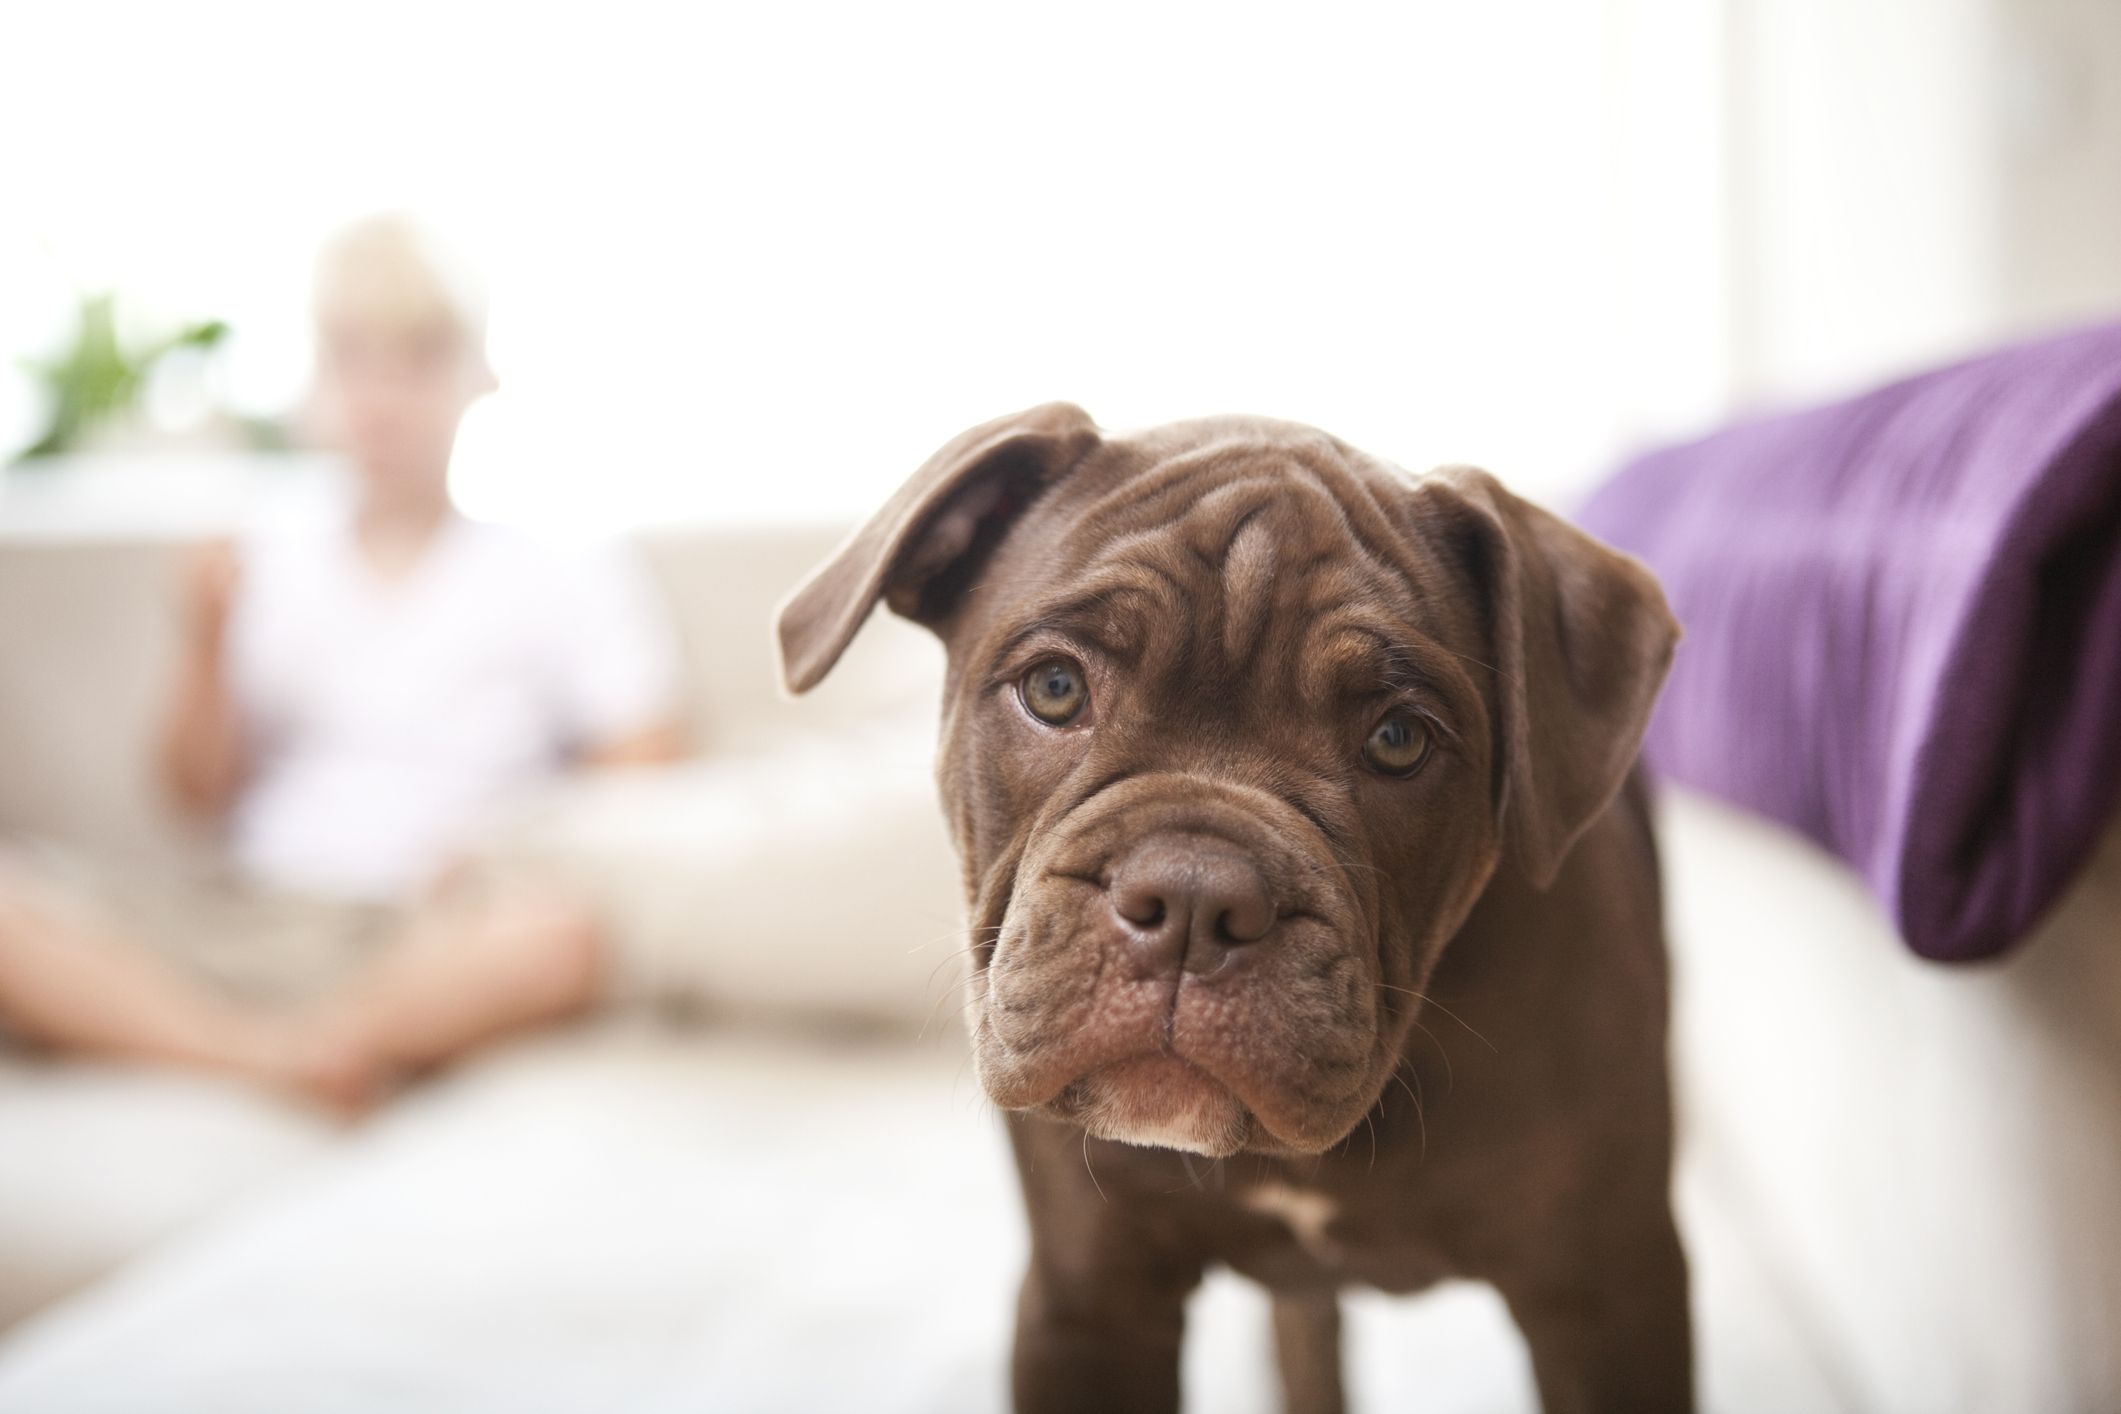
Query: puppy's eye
{"type": "Point", "coordinates": [1054, 692]}
{"type": "Point", "coordinates": [1398, 744]}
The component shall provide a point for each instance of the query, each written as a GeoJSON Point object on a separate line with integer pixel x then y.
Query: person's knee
{"type": "Point", "coordinates": [559, 949]}
{"type": "Point", "coordinates": [18, 916]}
{"type": "Point", "coordinates": [580, 955]}
{"type": "Point", "coordinates": [11, 927]}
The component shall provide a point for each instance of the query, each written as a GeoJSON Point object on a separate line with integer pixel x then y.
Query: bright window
{"type": "Point", "coordinates": [759, 260]}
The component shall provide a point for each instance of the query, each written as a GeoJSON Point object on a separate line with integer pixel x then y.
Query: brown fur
{"type": "Point", "coordinates": [1446, 1055]}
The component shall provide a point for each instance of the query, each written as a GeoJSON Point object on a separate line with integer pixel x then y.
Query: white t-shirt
{"type": "Point", "coordinates": [388, 718]}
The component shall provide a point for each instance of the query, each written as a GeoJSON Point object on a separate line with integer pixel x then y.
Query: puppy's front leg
{"type": "Point", "coordinates": [1088, 1347]}
{"type": "Point", "coordinates": [1307, 1347]}
{"type": "Point", "coordinates": [1605, 1313]}
{"type": "Point", "coordinates": [1103, 1306]}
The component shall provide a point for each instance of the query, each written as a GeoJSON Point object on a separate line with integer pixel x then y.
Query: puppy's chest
{"type": "Point", "coordinates": [1287, 1234]}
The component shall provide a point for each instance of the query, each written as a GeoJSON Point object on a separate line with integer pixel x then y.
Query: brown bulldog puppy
{"type": "Point", "coordinates": [1293, 797]}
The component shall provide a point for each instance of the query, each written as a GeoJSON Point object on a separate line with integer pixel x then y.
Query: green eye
{"type": "Point", "coordinates": [1398, 744]}
{"type": "Point", "coordinates": [1054, 692]}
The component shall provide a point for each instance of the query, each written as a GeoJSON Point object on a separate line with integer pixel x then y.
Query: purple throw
{"type": "Point", "coordinates": [1903, 619]}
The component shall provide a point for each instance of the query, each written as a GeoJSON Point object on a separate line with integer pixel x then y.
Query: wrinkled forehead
{"type": "Point", "coordinates": [1224, 559]}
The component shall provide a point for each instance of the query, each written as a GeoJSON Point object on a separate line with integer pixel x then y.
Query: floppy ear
{"type": "Point", "coordinates": [1581, 640]}
{"type": "Point", "coordinates": [915, 550]}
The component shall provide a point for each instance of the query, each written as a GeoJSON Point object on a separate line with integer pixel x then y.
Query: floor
{"type": "Point", "coordinates": [628, 1219]}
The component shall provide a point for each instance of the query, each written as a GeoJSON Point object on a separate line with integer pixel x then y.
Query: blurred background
{"type": "Point", "coordinates": [746, 263]}
{"type": "Point", "coordinates": [748, 267]}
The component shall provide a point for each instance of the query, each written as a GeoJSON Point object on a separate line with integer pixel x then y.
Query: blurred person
{"type": "Point", "coordinates": [358, 691]}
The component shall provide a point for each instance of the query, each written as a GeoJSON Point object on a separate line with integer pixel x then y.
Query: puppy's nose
{"type": "Point", "coordinates": [1189, 902]}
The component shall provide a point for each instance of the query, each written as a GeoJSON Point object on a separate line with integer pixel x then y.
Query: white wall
{"type": "Point", "coordinates": [755, 260]}
{"type": "Point", "coordinates": [2058, 150]}
{"type": "Point", "coordinates": [1915, 179]}
{"type": "Point", "coordinates": [767, 257]}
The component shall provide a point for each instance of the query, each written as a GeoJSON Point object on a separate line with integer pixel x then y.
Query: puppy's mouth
{"type": "Point", "coordinates": [1271, 1046]}
{"type": "Point", "coordinates": [1159, 1100]}
{"type": "Point", "coordinates": [1178, 977]}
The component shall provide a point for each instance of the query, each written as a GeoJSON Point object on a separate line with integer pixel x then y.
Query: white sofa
{"type": "Point", "coordinates": [717, 859]}
{"type": "Point", "coordinates": [1928, 1159]}
{"type": "Point", "coordinates": [1895, 1182]}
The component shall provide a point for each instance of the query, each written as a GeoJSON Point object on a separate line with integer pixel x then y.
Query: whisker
{"type": "Point", "coordinates": [1450, 1075]}
{"type": "Point", "coordinates": [1421, 1120]}
{"type": "Point", "coordinates": [1425, 997]}
{"type": "Point", "coordinates": [1091, 1171]}
{"type": "Point", "coordinates": [953, 931]}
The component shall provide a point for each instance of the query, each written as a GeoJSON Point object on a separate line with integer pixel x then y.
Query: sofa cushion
{"type": "Point", "coordinates": [810, 879]}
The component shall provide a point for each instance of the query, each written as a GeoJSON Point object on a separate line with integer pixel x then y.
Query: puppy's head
{"type": "Point", "coordinates": [1238, 722]}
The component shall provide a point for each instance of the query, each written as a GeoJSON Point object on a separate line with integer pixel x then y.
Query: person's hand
{"type": "Point", "coordinates": [210, 591]}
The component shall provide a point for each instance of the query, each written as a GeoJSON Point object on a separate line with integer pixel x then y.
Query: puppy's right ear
{"type": "Point", "coordinates": [915, 551]}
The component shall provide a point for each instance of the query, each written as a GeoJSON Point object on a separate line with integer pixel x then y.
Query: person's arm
{"type": "Point", "coordinates": [655, 745]}
{"type": "Point", "coordinates": [202, 757]}
{"type": "Point", "coordinates": [615, 666]}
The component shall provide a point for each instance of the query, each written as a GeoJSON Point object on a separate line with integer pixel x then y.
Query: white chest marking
{"type": "Point", "coordinates": [1304, 1212]}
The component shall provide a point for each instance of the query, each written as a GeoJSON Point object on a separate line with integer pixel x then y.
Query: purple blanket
{"type": "Point", "coordinates": [1903, 620]}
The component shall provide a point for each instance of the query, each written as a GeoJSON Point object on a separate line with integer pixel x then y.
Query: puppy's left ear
{"type": "Point", "coordinates": [914, 553]}
{"type": "Point", "coordinates": [1581, 640]}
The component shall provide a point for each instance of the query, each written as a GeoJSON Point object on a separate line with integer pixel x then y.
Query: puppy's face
{"type": "Point", "coordinates": [1226, 755]}
{"type": "Point", "coordinates": [1221, 774]}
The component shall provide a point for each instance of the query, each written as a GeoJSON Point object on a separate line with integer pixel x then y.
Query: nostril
{"type": "Point", "coordinates": [1142, 907]}
{"type": "Point", "coordinates": [1245, 921]}
{"type": "Point", "coordinates": [1189, 902]}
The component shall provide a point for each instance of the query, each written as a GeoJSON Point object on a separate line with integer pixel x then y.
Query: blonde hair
{"type": "Point", "coordinates": [390, 270]}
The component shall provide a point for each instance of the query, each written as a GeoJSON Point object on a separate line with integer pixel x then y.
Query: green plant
{"type": "Point", "coordinates": [97, 379]}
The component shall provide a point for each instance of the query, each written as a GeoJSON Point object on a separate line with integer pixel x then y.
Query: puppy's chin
{"type": "Point", "coordinates": [1158, 1101]}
